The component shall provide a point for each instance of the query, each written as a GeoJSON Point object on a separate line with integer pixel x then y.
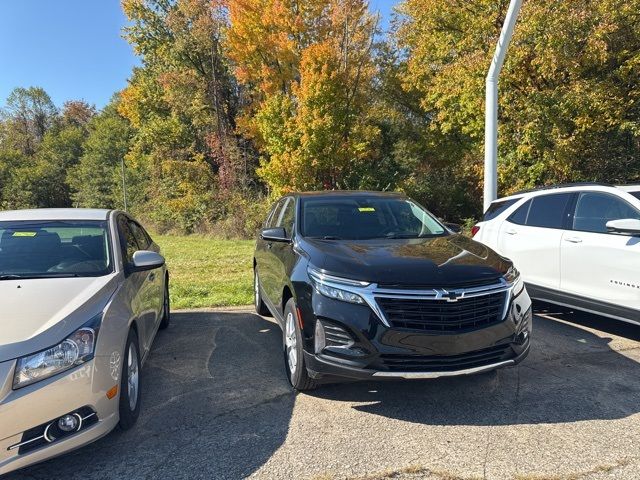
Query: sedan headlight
{"type": "Point", "coordinates": [329, 286]}
{"type": "Point", "coordinates": [76, 349]}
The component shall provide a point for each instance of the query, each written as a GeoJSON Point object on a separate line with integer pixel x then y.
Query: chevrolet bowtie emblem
{"type": "Point", "coordinates": [451, 296]}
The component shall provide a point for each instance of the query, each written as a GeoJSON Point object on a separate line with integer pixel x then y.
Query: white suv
{"type": "Point", "coordinates": [575, 245]}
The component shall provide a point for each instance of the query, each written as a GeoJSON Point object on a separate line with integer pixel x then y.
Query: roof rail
{"type": "Point", "coordinates": [561, 185]}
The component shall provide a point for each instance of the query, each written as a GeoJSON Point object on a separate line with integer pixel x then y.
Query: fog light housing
{"type": "Point", "coordinates": [68, 423]}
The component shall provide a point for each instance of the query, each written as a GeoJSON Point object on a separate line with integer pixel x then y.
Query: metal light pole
{"type": "Point", "coordinates": [124, 184]}
{"type": "Point", "coordinates": [491, 106]}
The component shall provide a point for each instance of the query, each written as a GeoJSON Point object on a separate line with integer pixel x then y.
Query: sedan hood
{"type": "Point", "coordinates": [449, 261]}
{"type": "Point", "coordinates": [38, 313]}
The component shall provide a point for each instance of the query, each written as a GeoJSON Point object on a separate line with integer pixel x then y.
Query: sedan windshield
{"type": "Point", "coordinates": [44, 249]}
{"type": "Point", "coordinates": [361, 218]}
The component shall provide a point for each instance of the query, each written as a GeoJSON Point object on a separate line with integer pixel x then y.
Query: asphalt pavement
{"type": "Point", "coordinates": [217, 405]}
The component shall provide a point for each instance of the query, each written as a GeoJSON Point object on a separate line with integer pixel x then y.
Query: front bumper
{"type": "Point", "coordinates": [22, 411]}
{"type": "Point", "coordinates": [377, 350]}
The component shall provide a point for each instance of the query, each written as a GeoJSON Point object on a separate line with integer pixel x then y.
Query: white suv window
{"type": "Point", "coordinates": [547, 211]}
{"type": "Point", "coordinates": [595, 209]}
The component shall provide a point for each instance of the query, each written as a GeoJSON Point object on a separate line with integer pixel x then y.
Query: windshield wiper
{"type": "Point", "coordinates": [13, 276]}
{"type": "Point", "coordinates": [327, 237]}
{"type": "Point", "coordinates": [9, 276]}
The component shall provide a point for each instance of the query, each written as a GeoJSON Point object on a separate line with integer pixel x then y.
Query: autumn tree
{"type": "Point", "coordinates": [569, 107]}
{"type": "Point", "coordinates": [308, 71]}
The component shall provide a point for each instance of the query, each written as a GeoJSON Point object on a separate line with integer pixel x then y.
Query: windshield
{"type": "Point", "coordinates": [361, 218]}
{"type": "Point", "coordinates": [43, 249]}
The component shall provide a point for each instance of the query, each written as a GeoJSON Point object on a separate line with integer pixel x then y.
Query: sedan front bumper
{"type": "Point", "coordinates": [24, 411]}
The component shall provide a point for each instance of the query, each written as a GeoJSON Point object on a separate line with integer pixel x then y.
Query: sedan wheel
{"type": "Point", "coordinates": [130, 385]}
{"type": "Point", "coordinates": [261, 308]}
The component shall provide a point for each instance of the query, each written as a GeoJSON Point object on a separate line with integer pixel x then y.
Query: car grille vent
{"type": "Point", "coordinates": [441, 316]}
{"type": "Point", "coordinates": [448, 363]}
{"type": "Point", "coordinates": [336, 336]}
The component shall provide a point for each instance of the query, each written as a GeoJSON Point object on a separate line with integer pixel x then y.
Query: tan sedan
{"type": "Point", "coordinates": [82, 295]}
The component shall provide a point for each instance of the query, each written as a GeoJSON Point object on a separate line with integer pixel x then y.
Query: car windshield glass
{"type": "Point", "coordinates": [50, 249]}
{"type": "Point", "coordinates": [635, 194]}
{"type": "Point", "coordinates": [360, 218]}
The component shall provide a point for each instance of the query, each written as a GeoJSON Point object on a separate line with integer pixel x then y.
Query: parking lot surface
{"type": "Point", "coordinates": [217, 405]}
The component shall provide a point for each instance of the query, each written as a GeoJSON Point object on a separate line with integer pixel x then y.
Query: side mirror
{"type": "Point", "coordinates": [146, 260]}
{"type": "Point", "coordinates": [454, 227]}
{"type": "Point", "coordinates": [626, 226]}
{"type": "Point", "coordinates": [277, 234]}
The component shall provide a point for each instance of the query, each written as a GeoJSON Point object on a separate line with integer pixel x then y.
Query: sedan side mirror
{"type": "Point", "coordinates": [147, 260]}
{"type": "Point", "coordinates": [277, 234]}
{"type": "Point", "coordinates": [626, 226]}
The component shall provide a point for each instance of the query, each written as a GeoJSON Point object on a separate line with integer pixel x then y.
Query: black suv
{"type": "Point", "coordinates": [371, 285]}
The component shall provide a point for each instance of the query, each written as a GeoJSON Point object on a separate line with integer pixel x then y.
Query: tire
{"type": "Point", "coordinates": [166, 307]}
{"type": "Point", "coordinates": [129, 406]}
{"type": "Point", "coordinates": [261, 308]}
{"type": "Point", "coordinates": [293, 351]}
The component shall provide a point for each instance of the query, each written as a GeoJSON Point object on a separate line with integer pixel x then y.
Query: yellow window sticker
{"type": "Point", "coordinates": [24, 234]}
{"type": "Point", "coordinates": [367, 209]}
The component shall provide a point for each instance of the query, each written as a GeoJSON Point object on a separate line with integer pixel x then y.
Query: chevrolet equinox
{"type": "Point", "coordinates": [369, 285]}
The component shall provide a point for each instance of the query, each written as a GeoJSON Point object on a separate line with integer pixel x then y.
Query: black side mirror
{"type": "Point", "coordinates": [277, 234]}
{"type": "Point", "coordinates": [454, 227]}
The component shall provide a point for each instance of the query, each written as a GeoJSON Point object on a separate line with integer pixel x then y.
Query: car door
{"type": "Point", "coordinates": [154, 285]}
{"type": "Point", "coordinates": [265, 261]}
{"type": "Point", "coordinates": [284, 258]}
{"type": "Point", "coordinates": [531, 238]}
{"type": "Point", "coordinates": [597, 264]}
{"type": "Point", "coordinates": [136, 285]}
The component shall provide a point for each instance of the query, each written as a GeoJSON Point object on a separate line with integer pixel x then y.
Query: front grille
{"type": "Point", "coordinates": [446, 363]}
{"type": "Point", "coordinates": [441, 316]}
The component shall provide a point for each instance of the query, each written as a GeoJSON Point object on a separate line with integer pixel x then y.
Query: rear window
{"type": "Point", "coordinates": [496, 208]}
{"type": "Point", "coordinates": [547, 211]}
{"type": "Point", "coordinates": [635, 194]}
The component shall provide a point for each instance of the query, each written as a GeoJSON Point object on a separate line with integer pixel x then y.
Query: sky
{"type": "Point", "coordinates": [74, 48]}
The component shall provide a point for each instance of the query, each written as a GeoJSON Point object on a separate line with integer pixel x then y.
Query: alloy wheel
{"type": "Point", "coordinates": [133, 381]}
{"type": "Point", "coordinates": [291, 342]}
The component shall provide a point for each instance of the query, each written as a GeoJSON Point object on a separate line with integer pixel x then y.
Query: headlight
{"type": "Point", "coordinates": [329, 286]}
{"type": "Point", "coordinates": [513, 277]}
{"type": "Point", "coordinates": [76, 349]}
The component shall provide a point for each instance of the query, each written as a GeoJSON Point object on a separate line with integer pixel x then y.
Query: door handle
{"type": "Point", "coordinates": [511, 231]}
{"type": "Point", "coordinates": [573, 240]}
{"type": "Point", "coordinates": [151, 277]}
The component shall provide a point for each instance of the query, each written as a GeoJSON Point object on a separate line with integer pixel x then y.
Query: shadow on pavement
{"type": "Point", "coordinates": [570, 375]}
{"type": "Point", "coordinates": [217, 404]}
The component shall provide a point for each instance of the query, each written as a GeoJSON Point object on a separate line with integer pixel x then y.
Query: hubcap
{"type": "Point", "coordinates": [291, 341]}
{"type": "Point", "coordinates": [132, 376]}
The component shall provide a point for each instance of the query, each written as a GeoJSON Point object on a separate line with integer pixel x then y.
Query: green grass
{"type": "Point", "coordinates": [206, 272]}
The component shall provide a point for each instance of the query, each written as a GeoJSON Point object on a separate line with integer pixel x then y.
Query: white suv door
{"type": "Point", "coordinates": [531, 238]}
{"type": "Point", "coordinates": [596, 264]}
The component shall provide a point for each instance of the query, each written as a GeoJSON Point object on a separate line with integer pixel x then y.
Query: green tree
{"type": "Point", "coordinates": [96, 180]}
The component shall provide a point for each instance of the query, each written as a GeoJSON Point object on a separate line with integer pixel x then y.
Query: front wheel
{"type": "Point", "coordinates": [129, 406]}
{"type": "Point", "coordinates": [293, 351]}
{"type": "Point", "coordinates": [261, 308]}
{"type": "Point", "coordinates": [166, 307]}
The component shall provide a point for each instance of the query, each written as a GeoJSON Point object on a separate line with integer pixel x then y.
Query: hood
{"type": "Point", "coordinates": [449, 261]}
{"type": "Point", "coordinates": [38, 313]}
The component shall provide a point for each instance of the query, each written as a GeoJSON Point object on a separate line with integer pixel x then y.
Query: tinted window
{"type": "Point", "coordinates": [548, 211]}
{"type": "Point", "coordinates": [128, 241]}
{"type": "Point", "coordinates": [142, 239]}
{"type": "Point", "coordinates": [594, 210]}
{"type": "Point", "coordinates": [361, 217]}
{"type": "Point", "coordinates": [274, 216]}
{"type": "Point", "coordinates": [635, 194]}
{"type": "Point", "coordinates": [520, 215]}
{"type": "Point", "coordinates": [54, 248]}
{"type": "Point", "coordinates": [287, 217]}
{"type": "Point", "coordinates": [496, 208]}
